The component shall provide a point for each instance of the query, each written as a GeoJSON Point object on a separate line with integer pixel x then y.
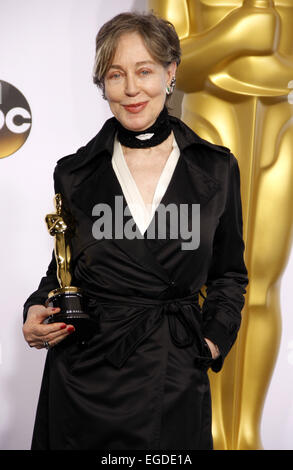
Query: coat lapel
{"type": "Point", "coordinates": [96, 182]}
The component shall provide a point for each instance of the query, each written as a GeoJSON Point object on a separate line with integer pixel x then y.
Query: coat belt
{"type": "Point", "coordinates": [147, 324]}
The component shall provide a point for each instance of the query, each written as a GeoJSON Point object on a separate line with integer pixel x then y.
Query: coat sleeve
{"type": "Point", "coordinates": [227, 276]}
{"type": "Point", "coordinates": [49, 281]}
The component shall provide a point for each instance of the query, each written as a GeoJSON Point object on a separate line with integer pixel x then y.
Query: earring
{"type": "Point", "coordinates": [172, 84]}
{"type": "Point", "coordinates": [170, 88]}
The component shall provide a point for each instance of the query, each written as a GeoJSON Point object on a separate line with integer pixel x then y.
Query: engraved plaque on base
{"type": "Point", "coordinates": [72, 309]}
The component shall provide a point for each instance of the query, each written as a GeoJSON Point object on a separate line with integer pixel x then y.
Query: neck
{"type": "Point", "coordinates": [151, 137]}
{"type": "Point", "coordinates": [149, 152]}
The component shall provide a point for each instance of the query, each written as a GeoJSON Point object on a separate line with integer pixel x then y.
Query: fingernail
{"type": "Point", "coordinates": [70, 329]}
{"type": "Point", "coordinates": [63, 326]}
{"type": "Point", "coordinates": [54, 309]}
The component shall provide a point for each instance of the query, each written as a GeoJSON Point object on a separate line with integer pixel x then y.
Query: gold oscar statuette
{"type": "Point", "coordinates": [68, 298]}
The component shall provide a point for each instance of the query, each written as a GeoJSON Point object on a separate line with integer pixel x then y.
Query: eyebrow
{"type": "Point", "coordinates": [137, 64]}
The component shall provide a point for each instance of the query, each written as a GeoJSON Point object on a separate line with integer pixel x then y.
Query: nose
{"type": "Point", "coordinates": [131, 86]}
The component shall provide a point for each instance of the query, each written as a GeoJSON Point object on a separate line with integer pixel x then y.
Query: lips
{"type": "Point", "coordinates": [135, 108]}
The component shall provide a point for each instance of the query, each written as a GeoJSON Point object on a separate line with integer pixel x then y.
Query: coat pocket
{"type": "Point", "coordinates": [203, 357]}
{"type": "Point", "coordinates": [204, 362]}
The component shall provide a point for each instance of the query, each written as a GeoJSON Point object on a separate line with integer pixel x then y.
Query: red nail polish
{"type": "Point", "coordinates": [70, 329]}
{"type": "Point", "coordinates": [63, 326]}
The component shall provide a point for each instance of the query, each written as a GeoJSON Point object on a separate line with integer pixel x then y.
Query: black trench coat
{"type": "Point", "coordinates": [141, 381]}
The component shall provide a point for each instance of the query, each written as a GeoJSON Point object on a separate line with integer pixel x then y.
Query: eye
{"type": "Point", "coordinates": [115, 75]}
{"type": "Point", "coordinates": [144, 72]}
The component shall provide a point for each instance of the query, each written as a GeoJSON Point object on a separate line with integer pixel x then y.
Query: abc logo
{"type": "Point", "coordinates": [15, 119]}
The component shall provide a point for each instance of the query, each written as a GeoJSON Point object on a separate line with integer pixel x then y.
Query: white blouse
{"type": "Point", "coordinates": [142, 213]}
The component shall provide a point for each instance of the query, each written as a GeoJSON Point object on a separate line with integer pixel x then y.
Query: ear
{"type": "Point", "coordinates": [171, 71]}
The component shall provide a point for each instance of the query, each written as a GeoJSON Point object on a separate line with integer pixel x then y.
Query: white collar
{"type": "Point", "coordinates": [142, 213]}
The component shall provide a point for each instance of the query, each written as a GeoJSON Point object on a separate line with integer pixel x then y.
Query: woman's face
{"type": "Point", "coordinates": [135, 84]}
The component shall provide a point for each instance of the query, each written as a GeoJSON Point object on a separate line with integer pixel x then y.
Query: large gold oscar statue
{"type": "Point", "coordinates": [236, 70]}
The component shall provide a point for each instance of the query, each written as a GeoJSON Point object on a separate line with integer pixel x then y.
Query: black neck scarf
{"type": "Point", "coordinates": [154, 135]}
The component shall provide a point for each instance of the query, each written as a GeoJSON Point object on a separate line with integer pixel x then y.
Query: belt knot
{"type": "Point", "coordinates": [172, 308]}
{"type": "Point", "coordinates": [175, 314]}
{"type": "Point", "coordinates": [147, 324]}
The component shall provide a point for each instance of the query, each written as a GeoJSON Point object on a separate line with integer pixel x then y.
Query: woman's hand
{"type": "Point", "coordinates": [37, 334]}
{"type": "Point", "coordinates": [214, 349]}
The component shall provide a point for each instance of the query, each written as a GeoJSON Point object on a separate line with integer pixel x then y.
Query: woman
{"type": "Point", "coordinates": [141, 382]}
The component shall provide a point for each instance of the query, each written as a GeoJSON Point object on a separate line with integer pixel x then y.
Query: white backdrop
{"type": "Point", "coordinates": [47, 51]}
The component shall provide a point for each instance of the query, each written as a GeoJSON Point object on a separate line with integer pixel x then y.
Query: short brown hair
{"type": "Point", "coordinates": [159, 35]}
